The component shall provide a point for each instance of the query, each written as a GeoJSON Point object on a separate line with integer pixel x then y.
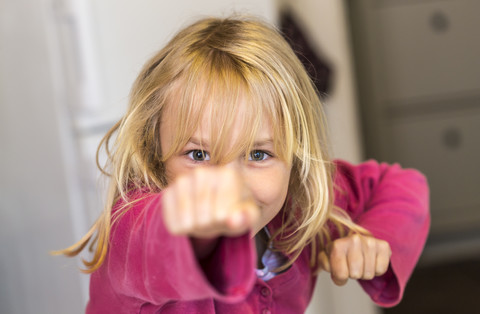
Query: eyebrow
{"type": "Point", "coordinates": [204, 142]}
{"type": "Point", "coordinates": [199, 142]}
{"type": "Point", "coordinates": [263, 142]}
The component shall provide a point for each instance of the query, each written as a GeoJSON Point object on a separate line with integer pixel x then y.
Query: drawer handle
{"type": "Point", "coordinates": [439, 22]}
{"type": "Point", "coordinates": [452, 138]}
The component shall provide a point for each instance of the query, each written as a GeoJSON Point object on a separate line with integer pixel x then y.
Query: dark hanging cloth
{"type": "Point", "coordinates": [318, 69]}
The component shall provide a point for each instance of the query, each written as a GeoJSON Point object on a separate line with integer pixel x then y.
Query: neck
{"type": "Point", "coordinates": [261, 242]}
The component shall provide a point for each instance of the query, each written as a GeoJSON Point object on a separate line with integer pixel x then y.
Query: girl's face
{"type": "Point", "coordinates": [266, 176]}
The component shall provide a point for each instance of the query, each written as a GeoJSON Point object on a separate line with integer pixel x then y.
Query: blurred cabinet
{"type": "Point", "coordinates": [418, 74]}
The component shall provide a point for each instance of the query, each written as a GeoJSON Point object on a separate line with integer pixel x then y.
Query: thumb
{"type": "Point", "coordinates": [243, 217]}
{"type": "Point", "coordinates": [324, 261]}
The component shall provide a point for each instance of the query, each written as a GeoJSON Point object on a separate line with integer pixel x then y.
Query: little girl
{"type": "Point", "coordinates": [222, 196]}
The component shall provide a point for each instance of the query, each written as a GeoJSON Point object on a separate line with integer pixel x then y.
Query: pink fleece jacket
{"type": "Point", "coordinates": [147, 270]}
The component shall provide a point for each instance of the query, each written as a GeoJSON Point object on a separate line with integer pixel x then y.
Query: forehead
{"type": "Point", "coordinates": [236, 128]}
{"type": "Point", "coordinates": [225, 129]}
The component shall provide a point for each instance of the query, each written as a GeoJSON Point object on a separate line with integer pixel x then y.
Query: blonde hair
{"type": "Point", "coordinates": [220, 61]}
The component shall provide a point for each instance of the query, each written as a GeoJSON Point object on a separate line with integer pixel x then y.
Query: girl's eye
{"type": "Point", "coordinates": [198, 155]}
{"type": "Point", "coordinates": [258, 155]}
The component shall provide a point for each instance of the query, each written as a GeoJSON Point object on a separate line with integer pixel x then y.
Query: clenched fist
{"type": "Point", "coordinates": [355, 256]}
{"type": "Point", "coordinates": [208, 202]}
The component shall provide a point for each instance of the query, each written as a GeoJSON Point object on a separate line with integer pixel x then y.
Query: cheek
{"type": "Point", "coordinates": [173, 168]}
{"type": "Point", "coordinates": [271, 193]}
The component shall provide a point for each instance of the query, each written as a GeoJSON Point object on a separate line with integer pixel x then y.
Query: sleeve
{"type": "Point", "coordinates": [393, 204]}
{"type": "Point", "coordinates": [146, 262]}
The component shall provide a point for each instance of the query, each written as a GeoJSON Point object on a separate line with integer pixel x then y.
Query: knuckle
{"type": "Point", "coordinates": [341, 275]}
{"type": "Point", "coordinates": [226, 174]}
{"type": "Point", "coordinates": [220, 217]}
{"type": "Point", "coordinates": [229, 173]}
{"type": "Point", "coordinates": [381, 269]}
{"type": "Point", "coordinates": [384, 246]}
{"type": "Point", "coordinates": [201, 175]}
{"type": "Point", "coordinates": [338, 245]}
{"type": "Point", "coordinates": [199, 171]}
{"type": "Point", "coordinates": [182, 181]}
{"type": "Point", "coordinates": [355, 271]}
{"type": "Point", "coordinates": [336, 253]}
{"type": "Point", "coordinates": [202, 224]}
{"type": "Point", "coordinates": [368, 275]}
{"type": "Point", "coordinates": [178, 229]}
{"type": "Point", "coordinates": [370, 243]}
{"type": "Point", "coordinates": [170, 227]}
{"type": "Point", "coordinates": [356, 239]}
{"type": "Point", "coordinates": [355, 276]}
{"type": "Point", "coordinates": [187, 224]}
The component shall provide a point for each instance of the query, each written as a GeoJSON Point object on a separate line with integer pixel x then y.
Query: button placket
{"type": "Point", "coordinates": [266, 294]}
{"type": "Point", "coordinates": [265, 291]}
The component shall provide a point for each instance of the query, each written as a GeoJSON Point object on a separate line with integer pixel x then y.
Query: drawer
{"type": "Point", "coordinates": [447, 149]}
{"type": "Point", "coordinates": [425, 48]}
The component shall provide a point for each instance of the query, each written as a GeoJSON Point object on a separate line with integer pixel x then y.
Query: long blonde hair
{"type": "Point", "coordinates": [218, 61]}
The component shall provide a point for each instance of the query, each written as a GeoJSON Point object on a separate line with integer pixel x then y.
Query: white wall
{"type": "Point", "coordinates": [127, 33]}
{"type": "Point", "coordinates": [35, 189]}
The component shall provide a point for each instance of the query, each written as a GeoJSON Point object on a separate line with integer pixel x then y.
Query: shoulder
{"type": "Point", "coordinates": [135, 206]}
{"type": "Point", "coordinates": [369, 183]}
{"type": "Point", "coordinates": [137, 198]}
{"type": "Point", "coordinates": [371, 173]}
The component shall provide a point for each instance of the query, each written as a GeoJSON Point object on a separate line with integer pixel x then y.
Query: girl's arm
{"type": "Point", "coordinates": [393, 205]}
{"type": "Point", "coordinates": [146, 262]}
